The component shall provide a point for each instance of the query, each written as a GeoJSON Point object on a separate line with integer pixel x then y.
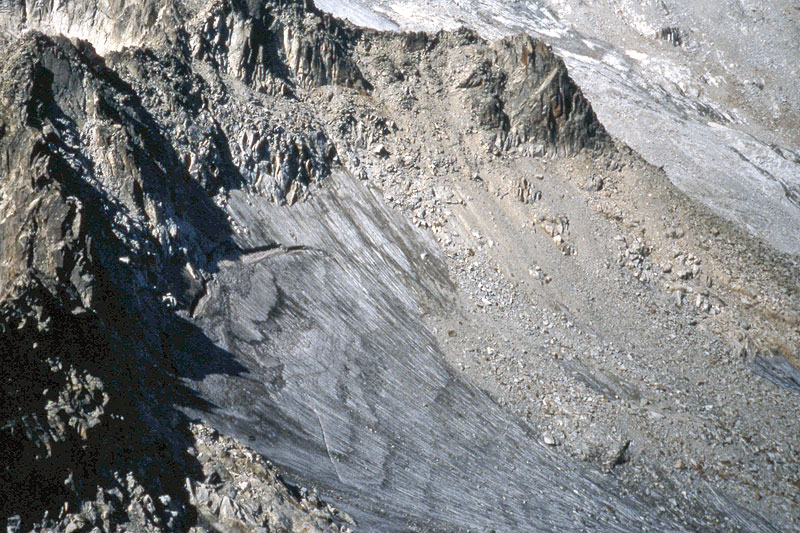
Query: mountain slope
{"type": "Point", "coordinates": [328, 242]}
{"type": "Point", "coordinates": [694, 110]}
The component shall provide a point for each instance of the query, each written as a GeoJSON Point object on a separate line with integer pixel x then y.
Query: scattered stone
{"type": "Point", "coordinates": [14, 524]}
{"type": "Point", "coordinates": [525, 193]}
{"type": "Point", "coordinates": [595, 184]}
{"type": "Point", "coordinates": [671, 34]}
{"type": "Point", "coordinates": [292, 194]}
{"type": "Point", "coordinates": [679, 295]}
{"type": "Point", "coordinates": [252, 494]}
{"type": "Point", "coordinates": [621, 456]}
{"type": "Point", "coordinates": [380, 150]}
{"type": "Point", "coordinates": [674, 233]}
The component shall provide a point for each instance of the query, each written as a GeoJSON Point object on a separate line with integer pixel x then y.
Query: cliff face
{"type": "Point", "coordinates": [188, 232]}
{"type": "Point", "coordinates": [91, 194]}
{"type": "Point", "coordinates": [524, 91]}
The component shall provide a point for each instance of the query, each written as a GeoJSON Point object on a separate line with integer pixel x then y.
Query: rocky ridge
{"type": "Point", "coordinates": [716, 116]}
{"type": "Point", "coordinates": [160, 201]}
{"type": "Point", "coordinates": [112, 209]}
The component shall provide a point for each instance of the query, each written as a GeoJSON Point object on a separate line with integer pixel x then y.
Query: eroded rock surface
{"type": "Point", "coordinates": [237, 214]}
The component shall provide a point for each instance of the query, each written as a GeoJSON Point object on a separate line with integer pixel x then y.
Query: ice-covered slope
{"type": "Point", "coordinates": [708, 148]}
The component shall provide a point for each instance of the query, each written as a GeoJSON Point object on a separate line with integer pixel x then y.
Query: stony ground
{"type": "Point", "coordinates": [242, 491]}
{"type": "Point", "coordinates": [633, 329]}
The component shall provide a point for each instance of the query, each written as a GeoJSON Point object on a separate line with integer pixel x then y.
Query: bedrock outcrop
{"type": "Point", "coordinates": [187, 234]}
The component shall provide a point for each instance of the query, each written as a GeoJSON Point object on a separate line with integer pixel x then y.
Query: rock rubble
{"type": "Point", "coordinates": [330, 243]}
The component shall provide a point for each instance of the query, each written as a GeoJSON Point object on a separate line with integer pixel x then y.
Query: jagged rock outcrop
{"type": "Point", "coordinates": [109, 24]}
{"type": "Point", "coordinates": [82, 163]}
{"type": "Point", "coordinates": [260, 43]}
{"type": "Point", "coordinates": [111, 228]}
{"type": "Point", "coordinates": [523, 91]}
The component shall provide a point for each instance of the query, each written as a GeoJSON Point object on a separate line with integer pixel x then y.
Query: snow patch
{"type": "Point", "coordinates": [638, 56]}
{"type": "Point", "coordinates": [616, 62]}
{"type": "Point", "coordinates": [358, 14]}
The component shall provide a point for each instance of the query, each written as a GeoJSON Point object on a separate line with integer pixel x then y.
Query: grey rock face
{"type": "Point", "coordinates": [180, 240]}
{"type": "Point", "coordinates": [532, 98]}
{"type": "Point", "coordinates": [260, 44]}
